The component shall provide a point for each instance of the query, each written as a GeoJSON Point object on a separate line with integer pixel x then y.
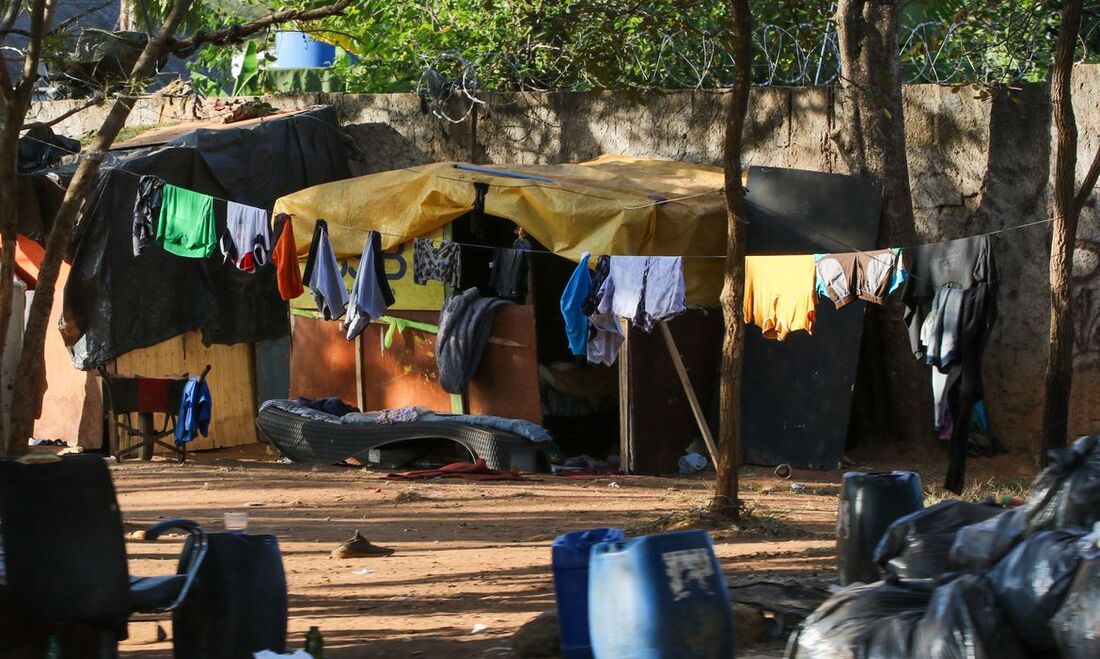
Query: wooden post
{"type": "Point", "coordinates": [693, 400]}
{"type": "Point", "coordinates": [360, 397]}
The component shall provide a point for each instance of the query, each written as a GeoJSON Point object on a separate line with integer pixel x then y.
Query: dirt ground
{"type": "Point", "coordinates": [467, 554]}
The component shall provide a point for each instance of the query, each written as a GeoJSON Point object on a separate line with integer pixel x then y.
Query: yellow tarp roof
{"type": "Point", "coordinates": [612, 205]}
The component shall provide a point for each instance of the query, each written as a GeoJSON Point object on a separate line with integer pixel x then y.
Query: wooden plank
{"type": "Point", "coordinates": [506, 382]}
{"type": "Point", "coordinates": [693, 400]}
{"type": "Point", "coordinates": [626, 403]}
{"type": "Point", "coordinates": [231, 380]}
{"type": "Point", "coordinates": [657, 422]}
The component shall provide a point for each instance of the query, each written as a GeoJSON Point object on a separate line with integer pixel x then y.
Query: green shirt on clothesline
{"type": "Point", "coordinates": [185, 226]}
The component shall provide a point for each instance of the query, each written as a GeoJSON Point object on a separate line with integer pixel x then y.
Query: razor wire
{"type": "Point", "coordinates": [803, 54]}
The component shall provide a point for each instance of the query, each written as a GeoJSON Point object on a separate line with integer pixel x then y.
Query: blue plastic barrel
{"type": "Point", "coordinates": [659, 597]}
{"type": "Point", "coordinates": [570, 558]}
{"type": "Point", "coordinates": [298, 50]}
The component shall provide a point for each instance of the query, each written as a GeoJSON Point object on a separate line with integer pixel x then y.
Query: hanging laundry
{"type": "Point", "coordinates": [464, 326]}
{"type": "Point", "coordinates": [247, 237]}
{"type": "Point", "coordinates": [322, 275]}
{"type": "Point", "coordinates": [645, 289]}
{"type": "Point", "coordinates": [195, 411]}
{"type": "Point", "coordinates": [285, 258]}
{"type": "Point", "coordinates": [607, 335]}
{"type": "Point", "coordinates": [368, 299]}
{"type": "Point", "coordinates": [595, 293]}
{"type": "Point", "coordinates": [572, 299]}
{"type": "Point", "coordinates": [185, 224]}
{"type": "Point", "coordinates": [509, 274]}
{"type": "Point", "coordinates": [146, 211]}
{"type": "Point", "coordinates": [963, 263]}
{"type": "Point", "coordinates": [965, 388]}
{"type": "Point", "coordinates": [870, 276]}
{"type": "Point", "coordinates": [443, 263]}
{"type": "Point", "coordinates": [948, 281]}
{"type": "Point", "coordinates": [939, 340]}
{"type": "Point", "coordinates": [780, 294]}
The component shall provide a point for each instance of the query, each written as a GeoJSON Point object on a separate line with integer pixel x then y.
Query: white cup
{"type": "Point", "coordinates": [236, 522]}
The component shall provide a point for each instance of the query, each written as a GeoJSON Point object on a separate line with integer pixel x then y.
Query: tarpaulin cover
{"type": "Point", "coordinates": [604, 206]}
{"type": "Point", "coordinates": [116, 302]}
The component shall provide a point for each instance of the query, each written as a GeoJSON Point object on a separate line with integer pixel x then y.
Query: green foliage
{"type": "Point", "coordinates": [645, 44]}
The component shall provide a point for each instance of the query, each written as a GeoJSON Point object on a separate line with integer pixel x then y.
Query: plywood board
{"type": "Point", "coordinates": [322, 361]}
{"type": "Point", "coordinates": [506, 384]}
{"type": "Point", "coordinates": [507, 381]}
{"type": "Point", "coordinates": [232, 383]}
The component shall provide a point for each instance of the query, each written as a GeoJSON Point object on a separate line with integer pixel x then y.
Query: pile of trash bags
{"type": "Point", "coordinates": [970, 581]}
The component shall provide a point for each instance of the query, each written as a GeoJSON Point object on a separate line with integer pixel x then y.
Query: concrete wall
{"type": "Point", "coordinates": [976, 165]}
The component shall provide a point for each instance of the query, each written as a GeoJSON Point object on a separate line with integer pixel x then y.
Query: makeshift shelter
{"type": "Point", "coordinates": [161, 315]}
{"type": "Point", "coordinates": [658, 397]}
{"type": "Point", "coordinates": [611, 205]}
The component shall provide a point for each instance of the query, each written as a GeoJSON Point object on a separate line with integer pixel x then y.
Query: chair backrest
{"type": "Point", "coordinates": [64, 549]}
{"type": "Point", "coordinates": [125, 394]}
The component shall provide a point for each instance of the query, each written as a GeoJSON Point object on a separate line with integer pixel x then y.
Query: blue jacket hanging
{"type": "Point", "coordinates": [195, 411]}
{"type": "Point", "coordinates": [572, 302]}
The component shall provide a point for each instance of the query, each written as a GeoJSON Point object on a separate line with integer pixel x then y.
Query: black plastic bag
{"type": "Point", "coordinates": [917, 545]}
{"type": "Point", "coordinates": [978, 547]}
{"type": "Point", "coordinates": [1076, 626]}
{"type": "Point", "coordinates": [1032, 581]}
{"type": "Point", "coordinates": [962, 621]}
{"type": "Point", "coordinates": [843, 626]}
{"type": "Point", "coordinates": [1067, 492]}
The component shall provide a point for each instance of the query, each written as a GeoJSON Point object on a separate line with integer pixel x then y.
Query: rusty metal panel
{"type": "Point", "coordinates": [656, 423]}
{"type": "Point", "coordinates": [322, 361]}
{"type": "Point", "coordinates": [507, 382]}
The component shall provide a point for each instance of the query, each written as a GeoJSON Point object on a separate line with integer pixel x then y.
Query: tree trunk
{"type": "Point", "coordinates": [1059, 375]}
{"type": "Point", "coordinates": [27, 398]}
{"type": "Point", "coordinates": [733, 288]}
{"type": "Point", "coordinates": [893, 397]}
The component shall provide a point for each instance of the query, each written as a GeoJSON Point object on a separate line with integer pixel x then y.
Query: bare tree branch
{"type": "Point", "coordinates": [96, 100]}
{"type": "Point", "coordinates": [238, 33]}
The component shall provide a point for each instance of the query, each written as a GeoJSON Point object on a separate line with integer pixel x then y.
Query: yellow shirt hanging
{"type": "Point", "coordinates": [779, 294]}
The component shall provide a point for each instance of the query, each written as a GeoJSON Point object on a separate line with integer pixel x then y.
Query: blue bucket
{"type": "Point", "coordinates": [298, 50]}
{"type": "Point", "coordinates": [570, 558]}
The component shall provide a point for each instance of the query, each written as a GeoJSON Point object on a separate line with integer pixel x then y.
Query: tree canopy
{"type": "Point", "coordinates": [405, 45]}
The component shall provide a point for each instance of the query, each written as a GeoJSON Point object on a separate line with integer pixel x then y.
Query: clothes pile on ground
{"type": "Point", "coordinates": [470, 471]}
{"type": "Point", "coordinates": [967, 580]}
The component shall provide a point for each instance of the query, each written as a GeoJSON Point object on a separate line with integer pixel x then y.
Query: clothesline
{"type": "Point", "coordinates": [847, 247]}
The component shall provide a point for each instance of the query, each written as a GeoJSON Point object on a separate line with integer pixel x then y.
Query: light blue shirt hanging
{"type": "Point", "coordinates": [572, 299]}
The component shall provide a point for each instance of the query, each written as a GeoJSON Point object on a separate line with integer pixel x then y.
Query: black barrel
{"type": "Point", "coordinates": [238, 605]}
{"type": "Point", "coordinates": [869, 503]}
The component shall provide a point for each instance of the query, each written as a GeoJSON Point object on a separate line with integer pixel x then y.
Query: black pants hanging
{"type": "Point", "coordinates": [964, 378]}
